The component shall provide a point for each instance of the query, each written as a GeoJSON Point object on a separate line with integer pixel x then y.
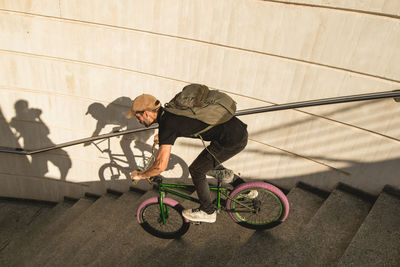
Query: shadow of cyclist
{"type": "Point", "coordinates": [34, 132]}
{"type": "Point", "coordinates": [18, 163]}
{"type": "Point", "coordinates": [114, 114]}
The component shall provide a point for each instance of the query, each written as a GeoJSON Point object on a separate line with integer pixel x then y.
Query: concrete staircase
{"type": "Point", "coordinates": [344, 227]}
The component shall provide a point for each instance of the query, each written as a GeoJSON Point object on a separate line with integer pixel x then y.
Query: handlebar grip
{"type": "Point", "coordinates": [135, 181]}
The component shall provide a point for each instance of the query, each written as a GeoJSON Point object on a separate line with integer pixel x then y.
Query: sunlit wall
{"type": "Point", "coordinates": [69, 69]}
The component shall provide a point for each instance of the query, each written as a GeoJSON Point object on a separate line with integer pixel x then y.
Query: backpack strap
{"type": "Point", "coordinates": [202, 131]}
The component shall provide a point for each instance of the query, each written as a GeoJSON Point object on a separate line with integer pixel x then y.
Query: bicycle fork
{"type": "Point", "coordinates": [163, 208]}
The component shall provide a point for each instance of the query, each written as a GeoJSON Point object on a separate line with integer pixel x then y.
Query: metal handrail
{"type": "Point", "coordinates": [326, 101]}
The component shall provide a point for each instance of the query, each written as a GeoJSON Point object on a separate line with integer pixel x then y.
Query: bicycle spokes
{"type": "Point", "coordinates": [256, 206]}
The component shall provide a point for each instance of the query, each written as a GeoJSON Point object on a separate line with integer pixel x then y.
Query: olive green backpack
{"type": "Point", "coordinates": [199, 102]}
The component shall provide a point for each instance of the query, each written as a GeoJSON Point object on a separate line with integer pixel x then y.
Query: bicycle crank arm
{"type": "Point", "coordinates": [241, 204]}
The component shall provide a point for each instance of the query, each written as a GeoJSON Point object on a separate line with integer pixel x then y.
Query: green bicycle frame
{"type": "Point", "coordinates": [165, 188]}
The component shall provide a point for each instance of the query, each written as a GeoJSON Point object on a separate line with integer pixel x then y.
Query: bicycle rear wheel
{"type": "Point", "coordinates": [112, 171]}
{"type": "Point", "coordinates": [150, 218]}
{"type": "Point", "coordinates": [257, 205]}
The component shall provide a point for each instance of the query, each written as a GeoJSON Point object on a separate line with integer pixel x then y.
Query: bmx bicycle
{"type": "Point", "coordinates": [254, 205]}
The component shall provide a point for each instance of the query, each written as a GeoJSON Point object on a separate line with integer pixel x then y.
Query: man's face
{"type": "Point", "coordinates": [144, 118]}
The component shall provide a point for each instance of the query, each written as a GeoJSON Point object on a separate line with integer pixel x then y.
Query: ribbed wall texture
{"type": "Point", "coordinates": [70, 68]}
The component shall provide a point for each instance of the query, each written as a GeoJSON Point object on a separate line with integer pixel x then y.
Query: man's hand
{"type": "Point", "coordinates": [135, 177]}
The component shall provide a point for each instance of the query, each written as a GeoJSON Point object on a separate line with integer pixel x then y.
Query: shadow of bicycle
{"type": "Point", "coordinates": [118, 166]}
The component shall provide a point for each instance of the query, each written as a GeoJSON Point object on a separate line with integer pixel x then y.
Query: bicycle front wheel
{"type": "Point", "coordinates": [257, 205]}
{"type": "Point", "coordinates": [171, 225]}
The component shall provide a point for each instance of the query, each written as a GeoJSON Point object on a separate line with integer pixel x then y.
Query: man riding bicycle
{"type": "Point", "coordinates": [226, 140]}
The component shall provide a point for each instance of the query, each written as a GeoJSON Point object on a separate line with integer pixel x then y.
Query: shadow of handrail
{"type": "Point", "coordinates": [76, 142]}
{"type": "Point", "coordinates": [326, 101]}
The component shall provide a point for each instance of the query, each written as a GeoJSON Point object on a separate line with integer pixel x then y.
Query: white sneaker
{"type": "Point", "coordinates": [252, 194]}
{"type": "Point", "coordinates": [197, 215]}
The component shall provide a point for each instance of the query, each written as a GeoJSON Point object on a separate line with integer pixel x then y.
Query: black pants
{"type": "Point", "coordinates": [205, 162]}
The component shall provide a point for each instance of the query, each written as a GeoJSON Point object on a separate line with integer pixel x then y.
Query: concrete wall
{"type": "Point", "coordinates": [62, 59]}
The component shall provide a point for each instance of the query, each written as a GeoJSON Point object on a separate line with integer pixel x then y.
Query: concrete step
{"type": "Point", "coordinates": [122, 213]}
{"type": "Point", "coordinates": [265, 248]}
{"type": "Point", "coordinates": [215, 244]}
{"type": "Point", "coordinates": [3, 205]}
{"type": "Point", "coordinates": [377, 243]}
{"type": "Point", "coordinates": [22, 240]}
{"type": "Point", "coordinates": [42, 236]}
{"type": "Point", "coordinates": [329, 232]}
{"type": "Point", "coordinates": [343, 229]}
{"type": "Point", "coordinates": [63, 246]}
{"type": "Point", "coordinates": [17, 215]}
{"type": "Point", "coordinates": [129, 240]}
